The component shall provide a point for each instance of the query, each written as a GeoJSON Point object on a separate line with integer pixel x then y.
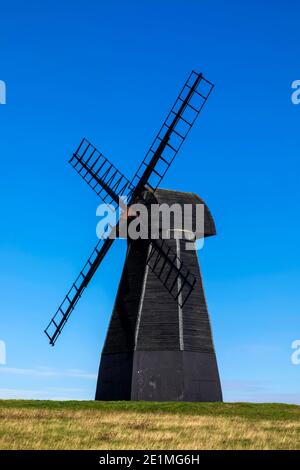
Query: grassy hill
{"type": "Point", "coordinates": [143, 425]}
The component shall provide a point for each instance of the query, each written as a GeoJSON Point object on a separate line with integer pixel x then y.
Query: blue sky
{"type": "Point", "coordinates": [110, 71]}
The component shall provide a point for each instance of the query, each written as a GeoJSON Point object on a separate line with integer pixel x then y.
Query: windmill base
{"type": "Point", "coordinates": [159, 376]}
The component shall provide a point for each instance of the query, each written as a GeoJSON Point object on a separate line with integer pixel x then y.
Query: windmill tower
{"type": "Point", "coordinates": [159, 342]}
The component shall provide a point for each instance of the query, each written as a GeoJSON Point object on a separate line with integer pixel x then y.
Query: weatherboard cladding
{"type": "Point", "coordinates": [145, 315]}
{"type": "Point", "coordinates": [163, 196]}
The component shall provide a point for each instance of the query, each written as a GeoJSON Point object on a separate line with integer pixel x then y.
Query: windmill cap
{"type": "Point", "coordinates": [199, 219]}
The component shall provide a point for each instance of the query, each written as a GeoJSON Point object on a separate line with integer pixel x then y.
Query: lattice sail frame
{"type": "Point", "coordinates": [111, 185]}
{"type": "Point", "coordinates": [198, 89]}
{"type": "Point", "coordinates": [100, 174]}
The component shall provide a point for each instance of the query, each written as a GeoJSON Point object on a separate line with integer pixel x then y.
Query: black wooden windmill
{"type": "Point", "coordinates": [159, 344]}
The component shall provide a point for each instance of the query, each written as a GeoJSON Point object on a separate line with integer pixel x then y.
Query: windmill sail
{"type": "Point", "coordinates": [100, 174]}
{"type": "Point", "coordinates": [111, 185]}
{"type": "Point", "coordinates": [67, 306]}
{"type": "Point", "coordinates": [169, 269]}
{"type": "Point", "coordinates": [162, 261]}
{"type": "Point", "coordinates": [173, 132]}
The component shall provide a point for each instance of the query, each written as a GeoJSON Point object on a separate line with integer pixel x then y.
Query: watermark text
{"type": "Point", "coordinates": [153, 221]}
{"type": "Point", "coordinates": [2, 92]}
{"type": "Point", "coordinates": [295, 97]}
{"type": "Point", "coordinates": [295, 357]}
{"type": "Point", "coordinates": [2, 353]}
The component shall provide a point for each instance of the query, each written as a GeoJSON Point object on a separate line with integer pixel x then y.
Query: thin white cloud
{"type": "Point", "coordinates": [243, 386]}
{"type": "Point", "coordinates": [255, 391]}
{"type": "Point", "coordinates": [48, 372]}
{"type": "Point", "coordinates": [60, 394]}
{"type": "Point", "coordinates": [288, 398]}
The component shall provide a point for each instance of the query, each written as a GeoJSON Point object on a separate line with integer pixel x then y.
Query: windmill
{"type": "Point", "coordinates": [159, 343]}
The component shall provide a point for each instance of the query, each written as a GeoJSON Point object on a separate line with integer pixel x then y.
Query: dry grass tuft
{"type": "Point", "coordinates": [101, 428]}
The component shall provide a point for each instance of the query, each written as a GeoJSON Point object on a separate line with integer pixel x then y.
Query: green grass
{"type": "Point", "coordinates": [26, 424]}
{"type": "Point", "coordinates": [273, 411]}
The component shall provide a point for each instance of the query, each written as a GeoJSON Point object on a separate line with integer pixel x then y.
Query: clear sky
{"type": "Point", "coordinates": [110, 71]}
